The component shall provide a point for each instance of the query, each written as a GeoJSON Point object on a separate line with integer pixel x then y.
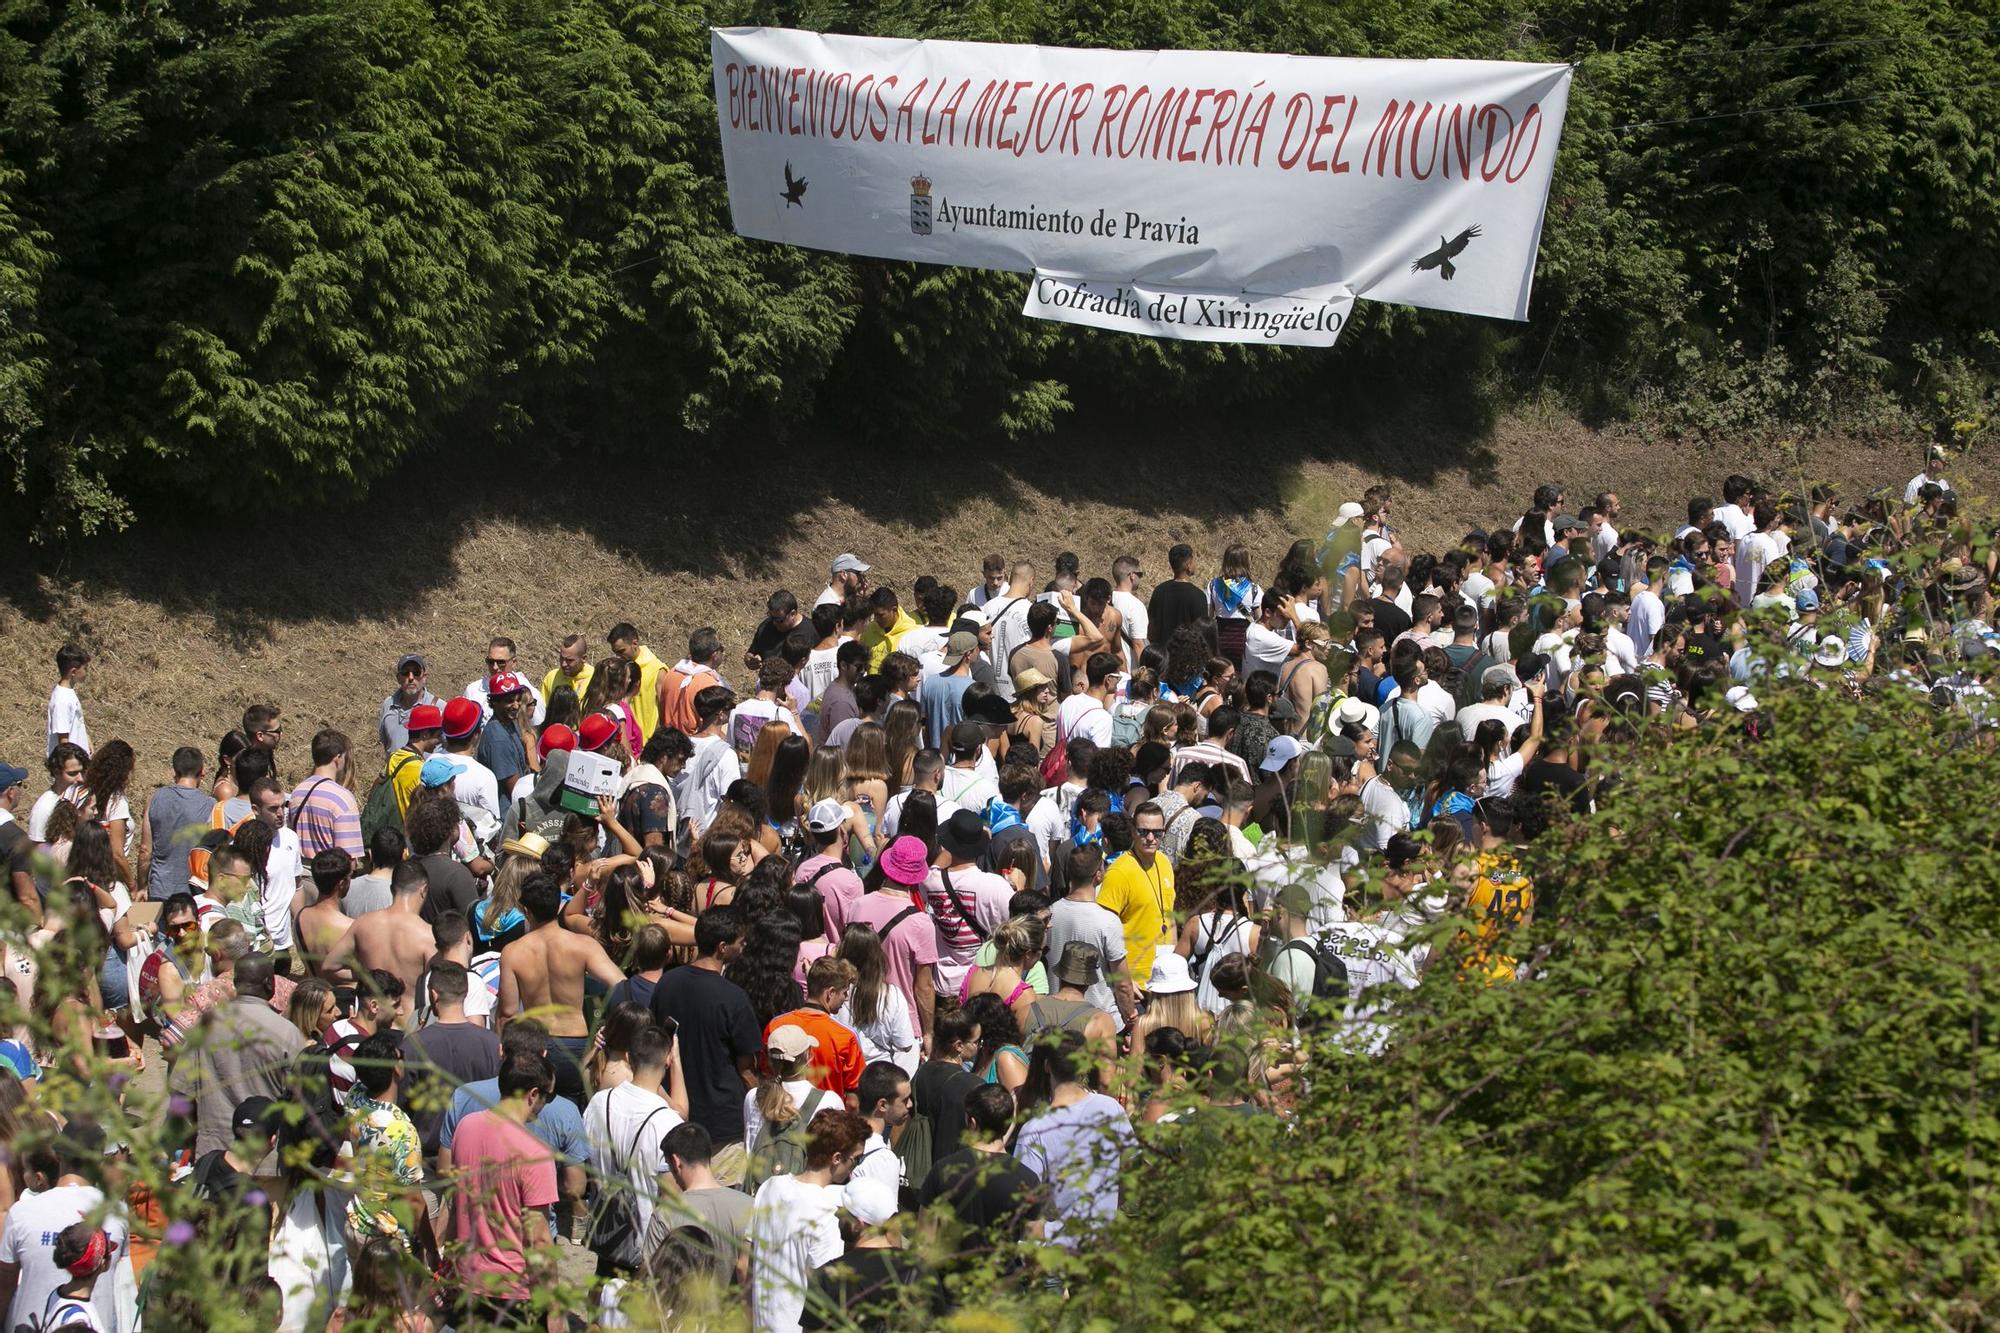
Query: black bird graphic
{"type": "Point", "coordinates": [795, 192]}
{"type": "Point", "coordinates": [1440, 258]}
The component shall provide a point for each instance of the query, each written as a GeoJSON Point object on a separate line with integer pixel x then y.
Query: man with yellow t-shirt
{"type": "Point", "coordinates": [1138, 889]}
{"type": "Point", "coordinates": [404, 766]}
{"type": "Point", "coordinates": [887, 624]}
{"type": "Point", "coordinates": [573, 668]}
{"type": "Point", "coordinates": [624, 640]}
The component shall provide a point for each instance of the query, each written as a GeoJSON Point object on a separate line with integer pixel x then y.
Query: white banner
{"type": "Point", "coordinates": [1210, 317]}
{"type": "Point", "coordinates": [1254, 178]}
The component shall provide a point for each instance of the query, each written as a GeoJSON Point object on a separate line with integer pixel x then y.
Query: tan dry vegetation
{"type": "Point", "coordinates": [191, 623]}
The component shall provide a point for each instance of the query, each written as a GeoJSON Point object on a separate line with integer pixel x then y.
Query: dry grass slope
{"type": "Point", "coordinates": [191, 623]}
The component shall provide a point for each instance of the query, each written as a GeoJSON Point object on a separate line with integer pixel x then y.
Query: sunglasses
{"type": "Point", "coordinates": [499, 663]}
{"type": "Point", "coordinates": [1150, 834]}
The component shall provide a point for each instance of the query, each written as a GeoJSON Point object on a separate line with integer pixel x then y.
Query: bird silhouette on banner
{"type": "Point", "coordinates": [795, 189]}
{"type": "Point", "coordinates": [1440, 258]}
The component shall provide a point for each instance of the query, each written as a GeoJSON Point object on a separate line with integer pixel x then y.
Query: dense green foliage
{"type": "Point", "coordinates": [256, 251]}
{"type": "Point", "coordinates": [1752, 1088]}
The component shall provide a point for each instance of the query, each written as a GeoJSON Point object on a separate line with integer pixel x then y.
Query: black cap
{"type": "Point", "coordinates": [257, 1113]}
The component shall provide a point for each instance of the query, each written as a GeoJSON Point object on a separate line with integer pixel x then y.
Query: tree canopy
{"type": "Point", "coordinates": [266, 251]}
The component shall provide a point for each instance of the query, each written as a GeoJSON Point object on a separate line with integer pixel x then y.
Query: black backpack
{"type": "Point", "coordinates": [614, 1225]}
{"type": "Point", "coordinates": [1329, 988]}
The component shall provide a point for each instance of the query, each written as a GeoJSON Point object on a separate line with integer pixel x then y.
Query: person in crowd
{"type": "Point", "coordinates": [721, 1040]}
{"type": "Point", "coordinates": [545, 973]}
{"type": "Point", "coordinates": [794, 1221]}
{"type": "Point", "coordinates": [397, 941]}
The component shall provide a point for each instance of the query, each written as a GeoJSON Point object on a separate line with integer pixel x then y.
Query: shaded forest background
{"type": "Point", "coordinates": [259, 253]}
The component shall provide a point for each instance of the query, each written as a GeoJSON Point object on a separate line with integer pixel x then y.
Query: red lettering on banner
{"type": "Point", "coordinates": [1533, 113]}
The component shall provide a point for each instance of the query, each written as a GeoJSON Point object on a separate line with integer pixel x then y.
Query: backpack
{"type": "Point", "coordinates": [382, 810]}
{"type": "Point", "coordinates": [782, 1152]}
{"type": "Point", "coordinates": [1055, 764]}
{"type": "Point", "coordinates": [614, 1226]}
{"type": "Point", "coordinates": [914, 1149]}
{"type": "Point", "coordinates": [1128, 720]}
{"type": "Point", "coordinates": [1329, 977]}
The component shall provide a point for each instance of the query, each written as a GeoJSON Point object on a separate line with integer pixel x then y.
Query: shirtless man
{"type": "Point", "coordinates": [397, 940]}
{"type": "Point", "coordinates": [323, 925]}
{"type": "Point", "coordinates": [542, 976]}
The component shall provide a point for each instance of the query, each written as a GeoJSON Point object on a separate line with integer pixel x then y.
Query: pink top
{"type": "Point", "coordinates": [810, 952]}
{"type": "Point", "coordinates": [503, 1172]}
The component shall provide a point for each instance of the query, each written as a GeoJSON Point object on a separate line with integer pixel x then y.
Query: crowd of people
{"type": "Point", "coordinates": [796, 973]}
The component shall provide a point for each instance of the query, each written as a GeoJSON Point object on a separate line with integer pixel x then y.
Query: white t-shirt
{"type": "Point", "coordinates": [38, 815]}
{"type": "Point", "coordinates": [1753, 555]}
{"type": "Point", "coordinates": [1470, 716]}
{"type": "Point", "coordinates": [1264, 650]}
{"type": "Point", "coordinates": [1438, 702]}
{"type": "Point", "coordinates": [828, 596]}
{"type": "Point", "coordinates": [1010, 631]}
{"type": "Point", "coordinates": [1388, 814]}
{"type": "Point", "coordinates": [1084, 715]}
{"type": "Point", "coordinates": [65, 722]}
{"type": "Point", "coordinates": [892, 1036]}
{"type": "Point", "coordinates": [33, 1224]}
{"type": "Point", "coordinates": [748, 719]}
{"type": "Point", "coordinates": [281, 881]}
{"type": "Point", "coordinates": [892, 816]}
{"type": "Point", "coordinates": [1604, 542]}
{"type": "Point", "coordinates": [879, 1162]}
{"type": "Point", "coordinates": [615, 1122]}
{"type": "Point", "coordinates": [1733, 517]}
{"type": "Point", "coordinates": [1649, 613]}
{"type": "Point", "coordinates": [794, 1228]}
{"type": "Point", "coordinates": [1623, 652]}
{"type": "Point", "coordinates": [708, 775]}
{"type": "Point", "coordinates": [475, 784]}
{"type": "Point", "coordinates": [922, 641]}
{"type": "Point", "coordinates": [1475, 587]}
{"type": "Point", "coordinates": [1502, 774]}
{"type": "Point", "coordinates": [1374, 956]}
{"type": "Point", "coordinates": [820, 670]}
{"type": "Point", "coordinates": [1049, 820]}
{"type": "Point", "coordinates": [966, 789]}
{"type": "Point", "coordinates": [1917, 483]}
{"type": "Point", "coordinates": [1137, 626]}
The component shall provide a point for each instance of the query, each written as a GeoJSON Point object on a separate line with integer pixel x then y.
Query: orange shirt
{"type": "Point", "coordinates": [838, 1062]}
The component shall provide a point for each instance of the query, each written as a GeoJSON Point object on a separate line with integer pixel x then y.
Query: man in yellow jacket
{"type": "Point", "coordinates": [885, 627]}
{"type": "Point", "coordinates": [624, 641]}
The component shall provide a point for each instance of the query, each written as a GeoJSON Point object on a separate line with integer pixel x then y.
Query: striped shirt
{"type": "Point", "coordinates": [325, 814]}
{"type": "Point", "coordinates": [340, 1041]}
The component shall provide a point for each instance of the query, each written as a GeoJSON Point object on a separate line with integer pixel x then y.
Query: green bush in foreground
{"type": "Point", "coordinates": [1752, 1088]}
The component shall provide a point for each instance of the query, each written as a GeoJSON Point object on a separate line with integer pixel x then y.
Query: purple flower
{"type": "Point", "coordinates": [179, 1233]}
{"type": "Point", "coordinates": [179, 1105]}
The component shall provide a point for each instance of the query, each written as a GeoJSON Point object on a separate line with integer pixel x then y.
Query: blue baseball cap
{"type": "Point", "coordinates": [11, 776]}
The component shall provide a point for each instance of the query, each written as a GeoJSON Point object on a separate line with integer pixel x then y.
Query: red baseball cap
{"type": "Point", "coordinates": [555, 737]}
{"type": "Point", "coordinates": [596, 731]}
{"type": "Point", "coordinates": [507, 682]}
{"type": "Point", "coordinates": [426, 717]}
{"type": "Point", "coordinates": [461, 718]}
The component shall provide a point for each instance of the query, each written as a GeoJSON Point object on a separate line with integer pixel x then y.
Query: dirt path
{"type": "Point", "coordinates": [191, 623]}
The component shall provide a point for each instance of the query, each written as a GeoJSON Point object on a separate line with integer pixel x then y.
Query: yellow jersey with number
{"type": "Point", "coordinates": [1502, 898]}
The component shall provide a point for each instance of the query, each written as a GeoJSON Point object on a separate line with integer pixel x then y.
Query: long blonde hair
{"type": "Point", "coordinates": [823, 780]}
{"type": "Point", "coordinates": [774, 1099]}
{"type": "Point", "coordinates": [505, 895]}
{"type": "Point", "coordinates": [1172, 1011]}
{"type": "Point", "coordinates": [866, 758]}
